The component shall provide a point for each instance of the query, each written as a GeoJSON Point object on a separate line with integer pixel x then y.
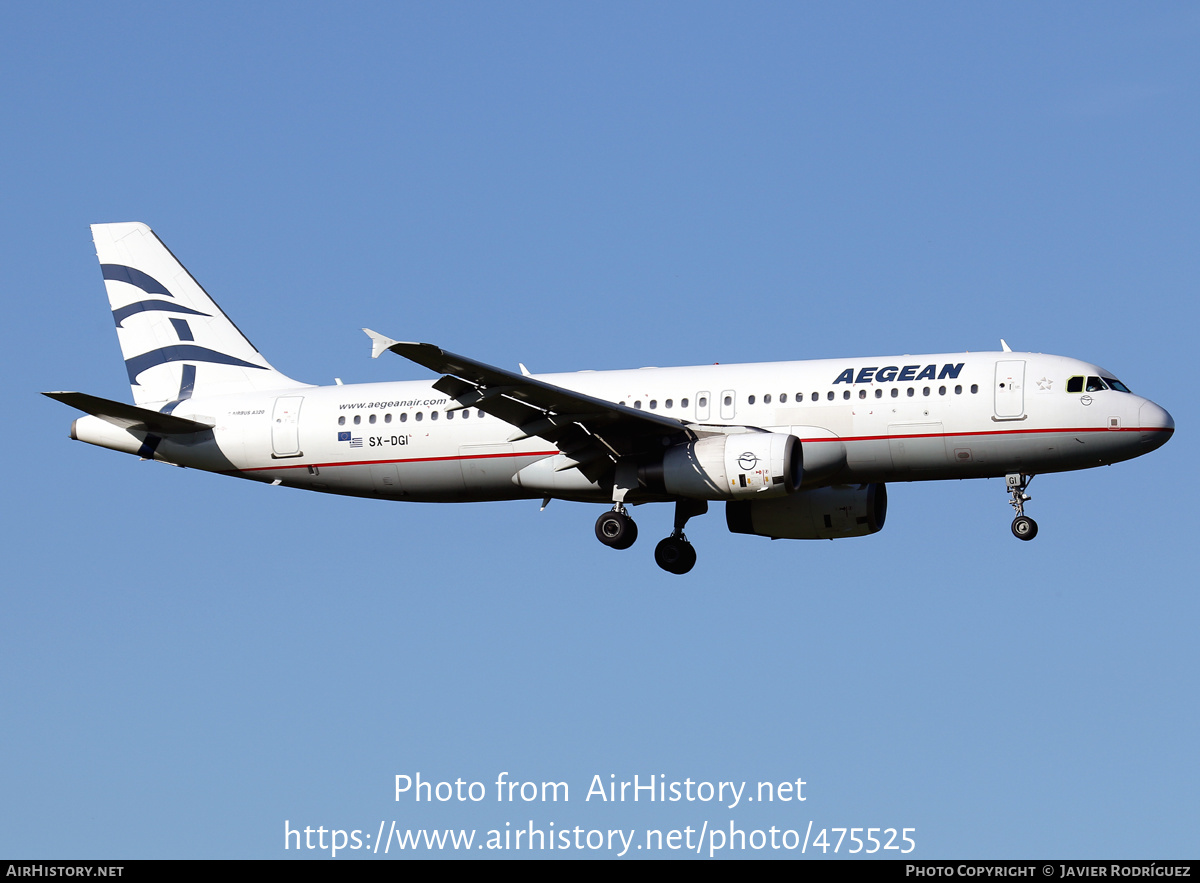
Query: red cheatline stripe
{"type": "Point", "coordinates": [411, 460]}
{"type": "Point", "coordinates": [989, 432]}
{"type": "Point", "coordinates": [851, 438]}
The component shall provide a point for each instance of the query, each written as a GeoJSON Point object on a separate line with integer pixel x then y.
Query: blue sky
{"type": "Point", "coordinates": [188, 661]}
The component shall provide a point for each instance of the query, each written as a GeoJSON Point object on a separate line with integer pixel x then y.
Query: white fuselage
{"type": "Point", "coordinates": [901, 418]}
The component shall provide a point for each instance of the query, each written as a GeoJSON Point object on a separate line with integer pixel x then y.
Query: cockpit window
{"type": "Point", "coordinates": [1113, 383]}
{"type": "Point", "coordinates": [1075, 384]}
{"type": "Point", "coordinates": [1095, 384]}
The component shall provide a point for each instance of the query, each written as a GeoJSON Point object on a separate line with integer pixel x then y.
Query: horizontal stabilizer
{"type": "Point", "coordinates": [128, 416]}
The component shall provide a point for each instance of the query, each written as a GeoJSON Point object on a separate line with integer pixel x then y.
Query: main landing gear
{"type": "Point", "coordinates": [1023, 527]}
{"type": "Point", "coordinates": [616, 529]}
{"type": "Point", "coordinates": [674, 554]}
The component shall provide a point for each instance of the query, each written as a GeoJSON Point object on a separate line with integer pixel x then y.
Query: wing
{"type": "Point", "coordinates": [593, 433]}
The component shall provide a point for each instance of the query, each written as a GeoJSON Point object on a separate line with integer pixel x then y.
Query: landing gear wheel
{"type": "Point", "coordinates": [616, 530]}
{"type": "Point", "coordinates": [675, 555]}
{"type": "Point", "coordinates": [1024, 527]}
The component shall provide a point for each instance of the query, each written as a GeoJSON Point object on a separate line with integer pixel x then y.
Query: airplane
{"type": "Point", "coordinates": [795, 450]}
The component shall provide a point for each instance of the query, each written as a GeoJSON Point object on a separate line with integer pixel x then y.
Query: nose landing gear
{"type": "Point", "coordinates": [1023, 527]}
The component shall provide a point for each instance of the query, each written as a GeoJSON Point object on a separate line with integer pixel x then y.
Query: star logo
{"type": "Point", "coordinates": [1044, 384]}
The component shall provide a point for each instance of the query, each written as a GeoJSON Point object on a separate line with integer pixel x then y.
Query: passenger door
{"type": "Point", "coordinates": [285, 427]}
{"type": "Point", "coordinates": [1010, 390]}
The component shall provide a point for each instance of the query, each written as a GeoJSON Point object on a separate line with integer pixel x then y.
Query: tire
{"type": "Point", "coordinates": [1024, 527]}
{"type": "Point", "coordinates": [616, 530]}
{"type": "Point", "coordinates": [675, 555]}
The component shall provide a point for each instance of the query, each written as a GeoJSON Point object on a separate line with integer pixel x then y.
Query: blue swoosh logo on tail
{"type": "Point", "coordinates": [121, 273]}
{"type": "Point", "coordinates": [180, 353]}
{"type": "Point", "coordinates": [120, 315]}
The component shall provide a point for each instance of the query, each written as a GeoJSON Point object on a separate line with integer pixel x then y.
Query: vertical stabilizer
{"type": "Point", "coordinates": [175, 339]}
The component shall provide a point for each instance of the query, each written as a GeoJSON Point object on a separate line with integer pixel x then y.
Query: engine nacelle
{"type": "Point", "coordinates": [823, 513]}
{"type": "Point", "coordinates": [731, 467]}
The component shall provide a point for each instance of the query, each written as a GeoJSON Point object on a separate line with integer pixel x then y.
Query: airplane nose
{"type": "Point", "coordinates": [1156, 424]}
